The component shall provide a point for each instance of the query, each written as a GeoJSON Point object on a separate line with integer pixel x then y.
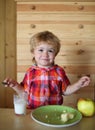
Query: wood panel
{"type": "Point", "coordinates": [54, 0]}
{"type": "Point", "coordinates": [2, 53]}
{"type": "Point", "coordinates": [74, 24]}
{"type": "Point", "coordinates": [10, 42]}
{"type": "Point", "coordinates": [7, 49]}
{"type": "Point", "coordinates": [66, 6]}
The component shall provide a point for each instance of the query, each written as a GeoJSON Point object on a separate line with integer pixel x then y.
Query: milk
{"type": "Point", "coordinates": [20, 108]}
{"type": "Point", "coordinates": [20, 103]}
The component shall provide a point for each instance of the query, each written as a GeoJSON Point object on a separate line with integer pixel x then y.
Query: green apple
{"type": "Point", "coordinates": [86, 106]}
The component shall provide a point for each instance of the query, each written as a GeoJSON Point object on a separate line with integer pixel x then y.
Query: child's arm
{"type": "Point", "coordinates": [82, 82]}
{"type": "Point", "coordinates": [8, 82]}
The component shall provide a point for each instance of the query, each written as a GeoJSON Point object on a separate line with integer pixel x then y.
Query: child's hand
{"type": "Point", "coordinates": [10, 83]}
{"type": "Point", "coordinates": [84, 81]}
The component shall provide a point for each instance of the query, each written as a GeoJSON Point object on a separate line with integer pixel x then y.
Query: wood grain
{"type": "Point", "coordinates": [74, 24]}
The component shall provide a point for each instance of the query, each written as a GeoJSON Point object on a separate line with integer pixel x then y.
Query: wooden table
{"type": "Point", "coordinates": [10, 121]}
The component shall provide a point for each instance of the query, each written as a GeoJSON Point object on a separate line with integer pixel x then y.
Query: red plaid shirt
{"type": "Point", "coordinates": [45, 86]}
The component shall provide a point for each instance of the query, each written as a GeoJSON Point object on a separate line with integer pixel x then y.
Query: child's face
{"type": "Point", "coordinates": [44, 55]}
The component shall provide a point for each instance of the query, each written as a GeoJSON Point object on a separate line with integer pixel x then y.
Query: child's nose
{"type": "Point", "coordinates": [45, 53]}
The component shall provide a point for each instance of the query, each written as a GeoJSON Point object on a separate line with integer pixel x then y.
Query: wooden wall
{"type": "Point", "coordinates": [73, 22]}
{"type": "Point", "coordinates": [7, 49]}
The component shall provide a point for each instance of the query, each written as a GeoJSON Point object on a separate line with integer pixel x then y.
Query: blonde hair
{"type": "Point", "coordinates": [47, 37]}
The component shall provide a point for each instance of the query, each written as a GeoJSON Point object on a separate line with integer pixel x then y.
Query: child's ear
{"type": "Point", "coordinates": [33, 60]}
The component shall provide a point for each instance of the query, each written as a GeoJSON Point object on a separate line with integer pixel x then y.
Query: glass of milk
{"type": "Point", "coordinates": [20, 102]}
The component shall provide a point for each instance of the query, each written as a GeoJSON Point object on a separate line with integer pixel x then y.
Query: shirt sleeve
{"type": "Point", "coordinates": [65, 83]}
{"type": "Point", "coordinates": [65, 80]}
{"type": "Point", "coordinates": [26, 82]}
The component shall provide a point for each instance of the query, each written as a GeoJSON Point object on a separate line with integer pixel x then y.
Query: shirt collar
{"type": "Point", "coordinates": [35, 67]}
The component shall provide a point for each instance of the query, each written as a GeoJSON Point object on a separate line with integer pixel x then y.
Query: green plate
{"type": "Point", "coordinates": [50, 115]}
